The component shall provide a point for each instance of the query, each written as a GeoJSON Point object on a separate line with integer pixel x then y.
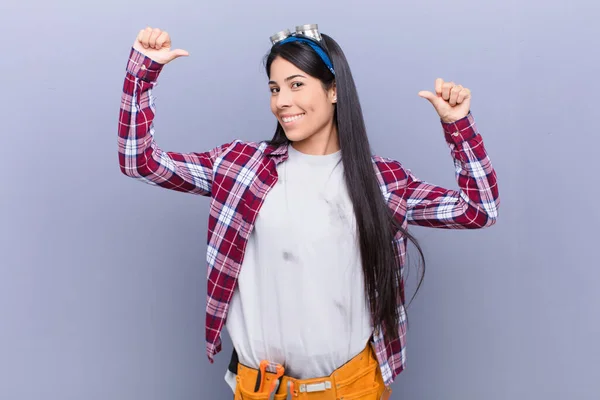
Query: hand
{"type": "Point", "coordinates": [156, 44]}
{"type": "Point", "coordinates": [452, 102]}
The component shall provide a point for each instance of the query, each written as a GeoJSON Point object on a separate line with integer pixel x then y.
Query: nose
{"type": "Point", "coordinates": [284, 99]}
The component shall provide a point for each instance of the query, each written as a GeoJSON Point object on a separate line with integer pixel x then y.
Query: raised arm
{"type": "Point", "coordinates": [475, 204]}
{"type": "Point", "coordinates": [139, 155]}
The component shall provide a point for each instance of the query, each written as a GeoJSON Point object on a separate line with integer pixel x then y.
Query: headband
{"type": "Point", "coordinates": [308, 34]}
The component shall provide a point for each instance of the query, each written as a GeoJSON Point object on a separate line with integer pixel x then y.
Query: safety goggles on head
{"type": "Point", "coordinates": [308, 34]}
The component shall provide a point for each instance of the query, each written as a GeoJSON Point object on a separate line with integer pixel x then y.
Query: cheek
{"type": "Point", "coordinates": [320, 107]}
{"type": "Point", "coordinates": [310, 103]}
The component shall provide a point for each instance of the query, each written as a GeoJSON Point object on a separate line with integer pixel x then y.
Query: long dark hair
{"type": "Point", "coordinates": [376, 224]}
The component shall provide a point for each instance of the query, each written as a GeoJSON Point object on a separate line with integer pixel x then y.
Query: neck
{"type": "Point", "coordinates": [321, 143]}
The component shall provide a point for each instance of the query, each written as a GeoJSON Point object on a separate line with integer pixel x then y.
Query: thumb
{"type": "Point", "coordinates": [178, 53]}
{"type": "Point", "coordinates": [428, 95]}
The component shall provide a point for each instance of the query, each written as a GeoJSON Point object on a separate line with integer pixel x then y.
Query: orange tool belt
{"type": "Point", "coordinates": [360, 378]}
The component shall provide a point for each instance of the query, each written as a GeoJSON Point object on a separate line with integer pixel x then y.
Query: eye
{"type": "Point", "coordinates": [274, 90]}
{"type": "Point", "coordinates": [297, 84]}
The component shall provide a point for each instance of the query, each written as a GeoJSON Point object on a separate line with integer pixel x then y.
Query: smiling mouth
{"type": "Point", "coordinates": [289, 120]}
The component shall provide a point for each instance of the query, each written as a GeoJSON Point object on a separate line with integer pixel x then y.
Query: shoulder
{"type": "Point", "coordinates": [239, 147]}
{"type": "Point", "coordinates": [390, 173]}
{"type": "Point", "coordinates": [238, 144]}
{"type": "Point", "coordinates": [240, 153]}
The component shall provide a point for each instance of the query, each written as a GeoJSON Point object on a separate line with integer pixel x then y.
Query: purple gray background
{"type": "Point", "coordinates": [102, 279]}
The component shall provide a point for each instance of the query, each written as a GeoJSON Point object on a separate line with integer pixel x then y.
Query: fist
{"type": "Point", "coordinates": [452, 102]}
{"type": "Point", "coordinates": [156, 44]}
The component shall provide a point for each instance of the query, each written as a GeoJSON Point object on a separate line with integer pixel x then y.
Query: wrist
{"type": "Point", "coordinates": [461, 129]}
{"type": "Point", "coordinates": [453, 119]}
{"type": "Point", "coordinates": [142, 66]}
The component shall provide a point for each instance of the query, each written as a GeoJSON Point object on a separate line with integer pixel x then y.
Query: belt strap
{"type": "Point", "coordinates": [233, 363]}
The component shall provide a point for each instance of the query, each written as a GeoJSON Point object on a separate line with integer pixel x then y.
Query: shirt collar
{"type": "Point", "coordinates": [280, 153]}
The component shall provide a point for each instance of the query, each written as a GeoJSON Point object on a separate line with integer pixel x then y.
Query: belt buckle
{"type": "Point", "coordinates": [315, 387]}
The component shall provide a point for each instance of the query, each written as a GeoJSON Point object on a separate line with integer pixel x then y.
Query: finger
{"type": "Point", "coordinates": [463, 95]}
{"type": "Point", "coordinates": [153, 36]}
{"type": "Point", "coordinates": [438, 86]}
{"type": "Point", "coordinates": [179, 53]}
{"type": "Point", "coordinates": [446, 87]}
{"type": "Point", "coordinates": [428, 95]}
{"type": "Point", "coordinates": [163, 40]}
{"type": "Point", "coordinates": [433, 98]}
{"type": "Point", "coordinates": [140, 36]}
{"type": "Point", "coordinates": [145, 37]}
{"type": "Point", "coordinates": [454, 94]}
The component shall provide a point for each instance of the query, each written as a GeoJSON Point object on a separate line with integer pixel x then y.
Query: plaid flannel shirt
{"type": "Point", "coordinates": [237, 177]}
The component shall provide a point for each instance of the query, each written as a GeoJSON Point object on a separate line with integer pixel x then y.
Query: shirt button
{"type": "Point", "coordinates": [456, 133]}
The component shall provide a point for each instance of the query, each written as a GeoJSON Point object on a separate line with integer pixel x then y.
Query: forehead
{"type": "Point", "coordinates": [281, 69]}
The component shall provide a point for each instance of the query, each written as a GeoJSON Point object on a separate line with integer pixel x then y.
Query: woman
{"type": "Point", "coordinates": [307, 232]}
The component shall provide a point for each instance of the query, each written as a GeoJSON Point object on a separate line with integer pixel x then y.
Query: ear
{"type": "Point", "coordinates": [333, 93]}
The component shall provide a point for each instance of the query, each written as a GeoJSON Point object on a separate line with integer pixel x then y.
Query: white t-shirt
{"type": "Point", "coordinates": [300, 298]}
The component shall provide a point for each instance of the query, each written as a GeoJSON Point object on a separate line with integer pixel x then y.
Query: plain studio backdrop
{"type": "Point", "coordinates": [103, 278]}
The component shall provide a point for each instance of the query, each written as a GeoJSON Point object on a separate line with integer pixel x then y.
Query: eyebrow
{"type": "Point", "coordinates": [289, 78]}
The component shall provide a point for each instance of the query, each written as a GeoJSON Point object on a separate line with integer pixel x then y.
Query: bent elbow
{"type": "Point", "coordinates": [135, 171]}
{"type": "Point", "coordinates": [492, 212]}
{"type": "Point", "coordinates": [491, 216]}
{"type": "Point", "coordinates": [139, 167]}
{"type": "Point", "coordinates": [124, 170]}
{"type": "Point", "coordinates": [481, 217]}
{"type": "Point", "coordinates": [128, 171]}
{"type": "Point", "coordinates": [491, 220]}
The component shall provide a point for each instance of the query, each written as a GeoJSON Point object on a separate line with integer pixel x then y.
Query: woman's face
{"type": "Point", "coordinates": [302, 106]}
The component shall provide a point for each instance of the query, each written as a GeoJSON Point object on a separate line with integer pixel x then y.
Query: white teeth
{"type": "Point", "coordinates": [294, 118]}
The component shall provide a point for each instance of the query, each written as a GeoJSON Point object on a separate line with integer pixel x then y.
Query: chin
{"type": "Point", "coordinates": [296, 136]}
